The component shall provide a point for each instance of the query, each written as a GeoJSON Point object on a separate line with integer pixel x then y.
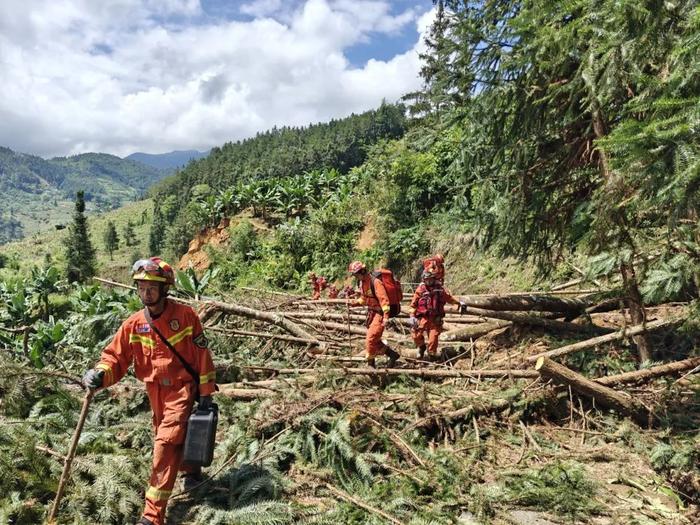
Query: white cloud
{"type": "Point", "coordinates": [126, 75]}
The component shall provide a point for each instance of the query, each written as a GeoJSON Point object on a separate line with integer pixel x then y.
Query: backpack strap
{"type": "Point", "coordinates": [187, 366]}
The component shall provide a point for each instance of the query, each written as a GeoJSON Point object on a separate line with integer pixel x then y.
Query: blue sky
{"type": "Point", "coordinates": [120, 76]}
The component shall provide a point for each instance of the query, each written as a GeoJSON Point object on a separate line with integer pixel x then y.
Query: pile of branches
{"type": "Point", "coordinates": [508, 419]}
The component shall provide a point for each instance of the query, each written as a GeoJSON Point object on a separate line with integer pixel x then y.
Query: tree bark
{"type": "Point", "coordinates": [266, 335]}
{"type": "Point", "coordinates": [415, 372]}
{"type": "Point", "coordinates": [353, 329]}
{"type": "Point", "coordinates": [547, 324]}
{"type": "Point", "coordinates": [603, 395]}
{"type": "Point", "coordinates": [639, 376]}
{"type": "Point", "coordinates": [635, 304]}
{"type": "Point", "coordinates": [473, 332]}
{"type": "Point", "coordinates": [582, 345]}
{"type": "Point", "coordinates": [277, 320]}
{"type": "Point", "coordinates": [531, 302]}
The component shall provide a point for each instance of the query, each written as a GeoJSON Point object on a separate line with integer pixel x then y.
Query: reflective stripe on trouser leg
{"type": "Point", "coordinates": [166, 461]}
{"type": "Point", "coordinates": [373, 342]}
{"type": "Point", "coordinates": [171, 407]}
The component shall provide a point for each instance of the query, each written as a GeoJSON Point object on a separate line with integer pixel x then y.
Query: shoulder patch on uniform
{"type": "Point", "coordinates": [143, 328]}
{"type": "Point", "coordinates": [174, 325]}
{"type": "Point", "coordinates": [201, 341]}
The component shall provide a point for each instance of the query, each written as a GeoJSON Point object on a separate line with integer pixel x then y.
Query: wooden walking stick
{"type": "Point", "coordinates": [71, 454]}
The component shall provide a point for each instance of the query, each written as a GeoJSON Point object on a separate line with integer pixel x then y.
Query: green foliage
{"type": "Point", "coordinates": [111, 238]}
{"type": "Point", "coordinates": [80, 255]}
{"type": "Point", "coordinates": [156, 235]}
{"type": "Point", "coordinates": [38, 192]}
{"type": "Point", "coordinates": [189, 284]}
{"type": "Point", "coordinates": [563, 488]}
{"type": "Point", "coordinates": [281, 171]}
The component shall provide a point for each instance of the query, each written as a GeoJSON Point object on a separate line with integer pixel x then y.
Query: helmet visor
{"type": "Point", "coordinates": [145, 265]}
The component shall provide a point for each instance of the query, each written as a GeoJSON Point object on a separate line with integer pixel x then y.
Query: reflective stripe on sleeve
{"type": "Point", "coordinates": [109, 375]}
{"type": "Point", "coordinates": [385, 309]}
{"type": "Point", "coordinates": [211, 376]}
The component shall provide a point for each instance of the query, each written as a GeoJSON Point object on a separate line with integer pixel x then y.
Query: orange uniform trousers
{"type": "Point", "coordinates": [172, 406]}
{"type": "Point", "coordinates": [375, 330]}
{"type": "Point", "coordinates": [432, 326]}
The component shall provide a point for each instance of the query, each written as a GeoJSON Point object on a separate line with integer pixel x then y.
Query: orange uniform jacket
{"type": "Point", "coordinates": [153, 361]}
{"type": "Point", "coordinates": [377, 302]}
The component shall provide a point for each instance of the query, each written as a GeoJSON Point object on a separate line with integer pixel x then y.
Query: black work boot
{"type": "Point", "coordinates": [371, 363]}
{"type": "Point", "coordinates": [144, 521]}
{"type": "Point", "coordinates": [393, 356]}
{"type": "Point", "coordinates": [421, 352]}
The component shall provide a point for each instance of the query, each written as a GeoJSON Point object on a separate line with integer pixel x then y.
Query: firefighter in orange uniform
{"type": "Point", "coordinates": [377, 303]}
{"type": "Point", "coordinates": [426, 312]}
{"type": "Point", "coordinates": [171, 389]}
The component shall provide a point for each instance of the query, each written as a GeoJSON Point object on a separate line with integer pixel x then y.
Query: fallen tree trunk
{"type": "Point", "coordinates": [266, 335]}
{"type": "Point", "coordinates": [244, 394]}
{"type": "Point", "coordinates": [352, 329]}
{"type": "Point", "coordinates": [548, 324]}
{"type": "Point", "coordinates": [473, 332]}
{"type": "Point", "coordinates": [531, 302]}
{"type": "Point", "coordinates": [267, 317]}
{"type": "Point", "coordinates": [648, 374]}
{"type": "Point", "coordinates": [415, 372]}
{"type": "Point", "coordinates": [637, 329]}
{"type": "Point", "coordinates": [323, 315]}
{"type": "Point", "coordinates": [603, 395]}
{"type": "Point", "coordinates": [474, 409]}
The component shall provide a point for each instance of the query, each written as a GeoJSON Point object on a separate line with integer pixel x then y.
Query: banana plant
{"type": "Point", "coordinates": [188, 283]}
{"type": "Point", "coordinates": [45, 281]}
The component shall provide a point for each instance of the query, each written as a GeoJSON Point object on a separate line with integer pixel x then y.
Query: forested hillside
{"type": "Point", "coordinates": [38, 193]}
{"type": "Point", "coordinates": [167, 161]}
{"type": "Point", "coordinates": [553, 157]}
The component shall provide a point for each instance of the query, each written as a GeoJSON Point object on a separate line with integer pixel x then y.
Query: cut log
{"type": "Point", "coordinates": [588, 343]}
{"type": "Point", "coordinates": [244, 394]}
{"type": "Point", "coordinates": [603, 395]}
{"type": "Point", "coordinates": [473, 409]}
{"type": "Point", "coordinates": [267, 317]}
{"type": "Point", "coordinates": [473, 332]}
{"type": "Point", "coordinates": [352, 329]}
{"type": "Point", "coordinates": [266, 335]}
{"type": "Point", "coordinates": [640, 376]}
{"type": "Point", "coordinates": [361, 317]}
{"type": "Point", "coordinates": [547, 324]}
{"type": "Point", "coordinates": [415, 372]}
{"type": "Point", "coordinates": [532, 302]}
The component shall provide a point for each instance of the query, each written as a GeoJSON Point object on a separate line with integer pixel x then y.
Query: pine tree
{"type": "Point", "coordinates": [111, 239]}
{"type": "Point", "coordinates": [80, 255]}
{"type": "Point", "coordinates": [156, 235]}
{"type": "Point", "coordinates": [129, 235]}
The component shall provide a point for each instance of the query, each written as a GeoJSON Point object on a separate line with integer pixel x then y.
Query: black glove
{"type": "Point", "coordinates": [462, 307]}
{"type": "Point", "coordinates": [205, 403]}
{"type": "Point", "coordinates": [93, 378]}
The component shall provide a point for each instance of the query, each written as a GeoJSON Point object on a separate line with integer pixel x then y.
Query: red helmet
{"type": "Point", "coordinates": [153, 269]}
{"type": "Point", "coordinates": [356, 267]}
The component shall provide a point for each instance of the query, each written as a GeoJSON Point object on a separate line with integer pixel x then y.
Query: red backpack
{"type": "Point", "coordinates": [393, 289]}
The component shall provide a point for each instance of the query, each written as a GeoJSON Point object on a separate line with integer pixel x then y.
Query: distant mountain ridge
{"type": "Point", "coordinates": [36, 193]}
{"type": "Point", "coordinates": [167, 161]}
